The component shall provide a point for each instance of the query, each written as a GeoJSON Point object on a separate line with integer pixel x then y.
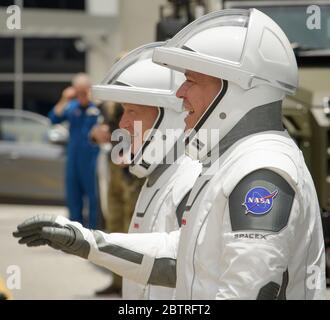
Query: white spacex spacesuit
{"type": "Point", "coordinates": [251, 227]}
{"type": "Point", "coordinates": [136, 79]}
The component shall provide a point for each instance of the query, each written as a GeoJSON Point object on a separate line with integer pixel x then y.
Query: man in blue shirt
{"type": "Point", "coordinates": [76, 108]}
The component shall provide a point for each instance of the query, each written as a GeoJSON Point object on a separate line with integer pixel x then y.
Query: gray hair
{"type": "Point", "coordinates": [81, 79]}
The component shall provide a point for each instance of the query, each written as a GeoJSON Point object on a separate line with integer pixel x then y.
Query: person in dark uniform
{"type": "Point", "coordinates": [76, 107]}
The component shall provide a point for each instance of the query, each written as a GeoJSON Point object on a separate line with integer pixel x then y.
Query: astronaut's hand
{"type": "Point", "coordinates": [57, 232]}
{"type": "Point", "coordinates": [69, 93]}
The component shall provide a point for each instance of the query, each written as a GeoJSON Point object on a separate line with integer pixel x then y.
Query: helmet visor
{"type": "Point", "coordinates": [136, 79]}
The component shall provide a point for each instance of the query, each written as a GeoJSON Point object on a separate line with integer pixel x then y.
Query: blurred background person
{"type": "Point", "coordinates": [76, 107]}
{"type": "Point", "coordinates": [124, 187]}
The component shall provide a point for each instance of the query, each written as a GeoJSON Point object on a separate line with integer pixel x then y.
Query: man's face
{"type": "Point", "coordinates": [144, 116]}
{"type": "Point", "coordinates": [82, 94]}
{"type": "Point", "coordinates": [197, 92]}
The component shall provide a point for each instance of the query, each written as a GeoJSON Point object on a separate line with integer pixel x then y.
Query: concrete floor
{"type": "Point", "coordinates": [46, 273]}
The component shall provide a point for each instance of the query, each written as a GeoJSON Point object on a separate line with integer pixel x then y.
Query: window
{"type": "Point", "coordinates": [6, 3]}
{"type": "Point", "coordinates": [52, 56]}
{"type": "Point", "coordinates": [55, 4]}
{"type": "Point", "coordinates": [40, 97]}
{"type": "Point", "coordinates": [7, 95]}
{"type": "Point", "coordinates": [6, 55]}
{"type": "Point", "coordinates": [35, 70]}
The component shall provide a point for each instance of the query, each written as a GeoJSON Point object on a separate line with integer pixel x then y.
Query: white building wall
{"type": "Point", "coordinates": [102, 51]}
{"type": "Point", "coordinates": [138, 19]}
{"type": "Point", "coordinates": [103, 7]}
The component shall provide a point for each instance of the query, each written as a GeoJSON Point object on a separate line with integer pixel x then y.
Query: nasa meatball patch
{"type": "Point", "coordinates": [261, 201]}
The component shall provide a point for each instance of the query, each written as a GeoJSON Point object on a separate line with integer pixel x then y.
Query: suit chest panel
{"type": "Point", "coordinates": [148, 209]}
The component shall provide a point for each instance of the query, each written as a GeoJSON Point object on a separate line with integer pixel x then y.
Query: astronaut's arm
{"type": "Point", "coordinates": [256, 246]}
{"type": "Point", "coordinates": [60, 112]}
{"type": "Point", "coordinates": [144, 258]}
{"type": "Point", "coordinates": [56, 117]}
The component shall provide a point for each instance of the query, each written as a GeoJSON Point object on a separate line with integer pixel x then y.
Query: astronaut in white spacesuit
{"type": "Point", "coordinates": [251, 227]}
{"type": "Point", "coordinates": [140, 85]}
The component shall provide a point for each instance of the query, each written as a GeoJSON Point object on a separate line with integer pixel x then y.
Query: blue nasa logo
{"type": "Point", "coordinates": [259, 201]}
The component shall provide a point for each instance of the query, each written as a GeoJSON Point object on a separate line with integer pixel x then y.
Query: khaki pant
{"type": "Point", "coordinates": [123, 194]}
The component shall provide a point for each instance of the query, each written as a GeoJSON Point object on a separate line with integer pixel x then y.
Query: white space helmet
{"type": "Point", "coordinates": [136, 79]}
{"type": "Point", "coordinates": [245, 48]}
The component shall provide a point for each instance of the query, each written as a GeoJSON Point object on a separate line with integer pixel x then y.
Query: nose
{"type": "Point", "coordinates": [181, 93]}
{"type": "Point", "coordinates": [124, 122]}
